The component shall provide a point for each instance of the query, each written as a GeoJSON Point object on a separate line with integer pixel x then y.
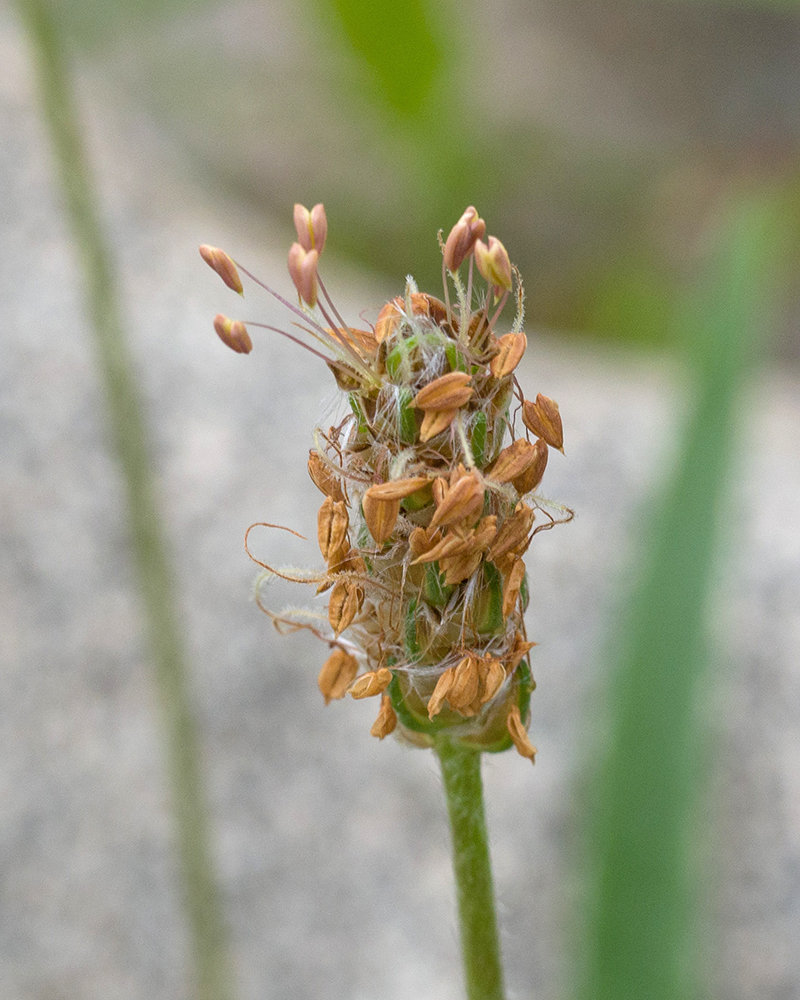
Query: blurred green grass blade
{"type": "Point", "coordinates": [97, 22]}
{"type": "Point", "coordinates": [129, 438]}
{"type": "Point", "coordinates": [638, 945]}
{"type": "Point", "coordinates": [399, 42]}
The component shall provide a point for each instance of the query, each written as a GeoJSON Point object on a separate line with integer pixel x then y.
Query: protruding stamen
{"type": "Point", "coordinates": [233, 333]}
{"type": "Point", "coordinates": [461, 241]}
{"type": "Point", "coordinates": [312, 227]}
{"type": "Point", "coordinates": [303, 272]}
{"type": "Point", "coordinates": [493, 263]}
{"type": "Point", "coordinates": [220, 262]}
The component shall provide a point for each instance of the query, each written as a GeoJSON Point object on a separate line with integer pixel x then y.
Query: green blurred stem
{"type": "Point", "coordinates": [130, 441]}
{"type": "Point", "coordinates": [483, 972]}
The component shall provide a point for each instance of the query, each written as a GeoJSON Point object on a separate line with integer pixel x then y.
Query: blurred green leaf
{"type": "Point", "coordinates": [95, 22]}
{"type": "Point", "coordinates": [639, 939]}
{"type": "Point", "coordinates": [400, 42]}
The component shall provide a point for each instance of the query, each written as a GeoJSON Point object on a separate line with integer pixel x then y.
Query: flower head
{"type": "Point", "coordinates": [428, 510]}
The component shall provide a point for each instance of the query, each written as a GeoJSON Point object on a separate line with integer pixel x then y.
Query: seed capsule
{"type": "Point", "coordinates": [440, 692]}
{"type": "Point", "coordinates": [532, 476]}
{"type": "Point", "coordinates": [452, 544]}
{"type": "Point", "coordinates": [434, 422]}
{"type": "Point", "coordinates": [398, 489]}
{"type": "Point", "coordinates": [465, 683]}
{"type": "Point", "coordinates": [332, 525]}
{"type": "Point", "coordinates": [380, 515]}
{"type": "Point", "coordinates": [337, 674]}
{"type": "Point", "coordinates": [345, 603]}
{"type": "Point", "coordinates": [512, 587]}
{"type": "Point", "coordinates": [513, 461]}
{"type": "Point", "coordinates": [421, 540]}
{"type": "Point", "coordinates": [386, 721]}
{"type": "Point", "coordinates": [447, 392]}
{"type": "Point", "coordinates": [519, 735]}
{"type": "Point", "coordinates": [375, 682]}
{"type": "Point", "coordinates": [458, 568]}
{"type": "Point", "coordinates": [511, 348]}
{"type": "Point", "coordinates": [544, 420]}
{"type": "Point", "coordinates": [514, 533]}
{"type": "Point", "coordinates": [323, 478]}
{"type": "Point", "coordinates": [460, 503]}
{"type": "Point", "coordinates": [493, 681]}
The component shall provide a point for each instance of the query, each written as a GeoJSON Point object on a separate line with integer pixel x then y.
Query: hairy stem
{"type": "Point", "coordinates": [480, 946]}
{"type": "Point", "coordinates": [129, 439]}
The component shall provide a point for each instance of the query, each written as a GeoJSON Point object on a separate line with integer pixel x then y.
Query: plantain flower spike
{"type": "Point", "coordinates": [312, 227]}
{"type": "Point", "coordinates": [430, 503]}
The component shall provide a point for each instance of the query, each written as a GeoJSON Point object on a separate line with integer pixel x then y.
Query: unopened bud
{"type": "Point", "coordinates": [233, 333]}
{"type": "Point", "coordinates": [312, 227]}
{"type": "Point", "coordinates": [337, 674]}
{"type": "Point", "coordinates": [544, 420]}
{"type": "Point", "coordinates": [493, 263]}
{"type": "Point", "coordinates": [220, 262]}
{"type": "Point", "coordinates": [461, 241]}
{"type": "Point", "coordinates": [386, 721]}
{"type": "Point", "coordinates": [303, 272]}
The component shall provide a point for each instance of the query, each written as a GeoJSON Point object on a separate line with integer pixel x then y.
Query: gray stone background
{"type": "Point", "coordinates": [332, 848]}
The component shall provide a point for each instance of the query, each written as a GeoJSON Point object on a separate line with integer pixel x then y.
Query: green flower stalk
{"type": "Point", "coordinates": [427, 515]}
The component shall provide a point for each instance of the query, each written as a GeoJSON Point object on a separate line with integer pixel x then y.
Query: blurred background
{"type": "Point", "coordinates": [641, 163]}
